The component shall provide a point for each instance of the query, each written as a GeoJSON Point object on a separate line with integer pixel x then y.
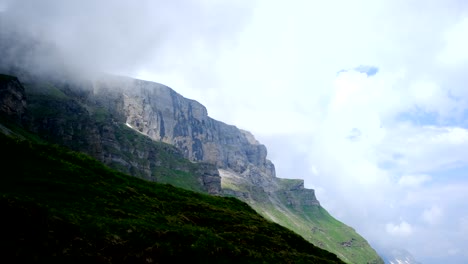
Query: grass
{"type": "Point", "coordinates": [286, 207]}
{"type": "Point", "coordinates": [288, 184]}
{"type": "Point", "coordinates": [317, 226]}
{"type": "Point", "coordinates": [55, 202]}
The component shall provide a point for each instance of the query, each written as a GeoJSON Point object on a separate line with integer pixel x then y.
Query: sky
{"type": "Point", "coordinates": [367, 101]}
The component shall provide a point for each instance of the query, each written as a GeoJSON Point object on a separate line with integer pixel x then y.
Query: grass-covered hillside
{"type": "Point", "coordinates": [55, 202]}
{"type": "Point", "coordinates": [292, 208]}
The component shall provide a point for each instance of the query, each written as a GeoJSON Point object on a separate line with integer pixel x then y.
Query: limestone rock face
{"type": "Point", "coordinates": [162, 114]}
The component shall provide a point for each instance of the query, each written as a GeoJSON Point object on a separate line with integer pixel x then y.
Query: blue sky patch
{"type": "Point", "coordinates": [419, 117]}
{"type": "Point", "coordinates": [367, 69]}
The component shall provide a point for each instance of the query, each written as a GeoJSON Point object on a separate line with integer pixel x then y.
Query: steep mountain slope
{"type": "Point", "coordinates": [58, 203]}
{"type": "Point", "coordinates": [108, 117]}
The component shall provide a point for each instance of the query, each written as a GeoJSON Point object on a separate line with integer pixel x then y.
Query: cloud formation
{"type": "Point", "coordinates": [123, 36]}
{"type": "Point", "coordinates": [402, 229]}
{"type": "Point", "coordinates": [413, 181]}
{"type": "Point", "coordinates": [432, 215]}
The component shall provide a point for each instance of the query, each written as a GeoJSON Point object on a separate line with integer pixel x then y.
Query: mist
{"type": "Point", "coordinates": [119, 37]}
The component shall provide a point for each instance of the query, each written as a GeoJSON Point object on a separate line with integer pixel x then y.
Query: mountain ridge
{"type": "Point", "coordinates": [100, 113]}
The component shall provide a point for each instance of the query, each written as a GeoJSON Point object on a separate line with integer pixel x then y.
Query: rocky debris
{"type": "Point", "coordinates": [348, 243]}
{"type": "Point", "coordinates": [210, 178]}
{"type": "Point", "coordinates": [316, 229]}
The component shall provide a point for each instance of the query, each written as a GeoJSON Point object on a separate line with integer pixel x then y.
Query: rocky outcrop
{"type": "Point", "coordinates": [12, 99]}
{"type": "Point", "coordinates": [162, 114]}
{"type": "Point", "coordinates": [159, 112]}
{"type": "Point", "coordinates": [210, 177]}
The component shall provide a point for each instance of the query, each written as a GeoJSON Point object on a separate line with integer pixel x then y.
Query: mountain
{"type": "Point", "coordinates": [149, 131]}
{"type": "Point", "coordinates": [399, 256]}
{"type": "Point", "coordinates": [59, 203]}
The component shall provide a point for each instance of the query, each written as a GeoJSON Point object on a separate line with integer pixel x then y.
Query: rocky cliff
{"type": "Point", "coordinates": [162, 114]}
{"type": "Point", "coordinates": [12, 99]}
{"type": "Point", "coordinates": [69, 114]}
{"type": "Point", "coordinates": [143, 128]}
{"type": "Point", "coordinates": [159, 112]}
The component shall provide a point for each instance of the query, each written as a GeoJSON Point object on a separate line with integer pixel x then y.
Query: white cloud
{"type": "Point", "coordinates": [430, 97]}
{"type": "Point", "coordinates": [456, 41]}
{"type": "Point", "coordinates": [425, 148]}
{"type": "Point", "coordinates": [403, 229]}
{"type": "Point", "coordinates": [432, 215]}
{"type": "Point", "coordinates": [413, 180]}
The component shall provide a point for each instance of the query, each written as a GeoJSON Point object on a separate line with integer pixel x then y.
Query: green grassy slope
{"type": "Point", "coordinates": [55, 202]}
{"type": "Point", "coordinates": [317, 226]}
{"type": "Point", "coordinates": [312, 222]}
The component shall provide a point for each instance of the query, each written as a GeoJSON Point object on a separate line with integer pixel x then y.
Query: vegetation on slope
{"type": "Point", "coordinates": [71, 117]}
{"type": "Point", "coordinates": [317, 226]}
{"type": "Point", "coordinates": [311, 221]}
{"type": "Point", "coordinates": [55, 202]}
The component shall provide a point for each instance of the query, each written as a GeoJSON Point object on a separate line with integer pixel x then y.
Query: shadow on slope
{"type": "Point", "coordinates": [56, 202]}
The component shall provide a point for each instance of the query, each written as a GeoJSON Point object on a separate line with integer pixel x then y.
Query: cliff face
{"type": "Point", "coordinates": [69, 114]}
{"type": "Point", "coordinates": [12, 98]}
{"type": "Point", "coordinates": [160, 113]}
{"type": "Point", "coordinates": [122, 122]}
